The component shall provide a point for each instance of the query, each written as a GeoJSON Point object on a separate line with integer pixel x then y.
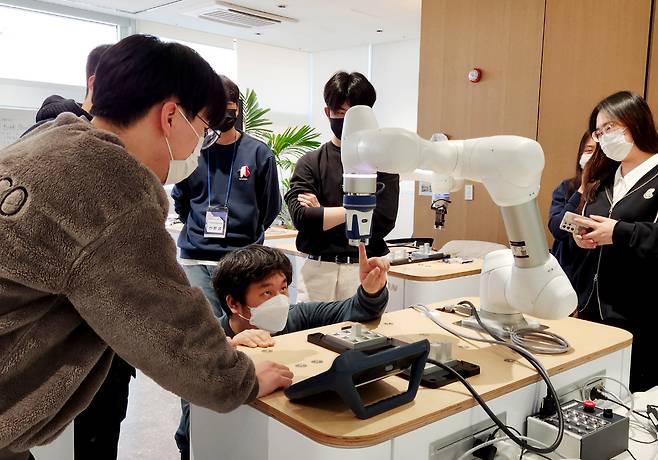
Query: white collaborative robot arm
{"type": "Point", "coordinates": [526, 278]}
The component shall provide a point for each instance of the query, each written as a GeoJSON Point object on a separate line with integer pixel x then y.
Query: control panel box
{"type": "Point", "coordinates": [590, 433]}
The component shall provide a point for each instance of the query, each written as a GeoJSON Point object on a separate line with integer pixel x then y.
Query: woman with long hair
{"type": "Point", "coordinates": [621, 205]}
{"type": "Point", "coordinates": [566, 197]}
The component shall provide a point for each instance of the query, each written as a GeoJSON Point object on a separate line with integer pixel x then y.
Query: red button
{"type": "Point", "coordinates": [589, 405]}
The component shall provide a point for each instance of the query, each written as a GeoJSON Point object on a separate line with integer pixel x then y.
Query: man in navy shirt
{"type": "Point", "coordinates": [227, 203]}
{"type": "Point", "coordinates": [229, 200]}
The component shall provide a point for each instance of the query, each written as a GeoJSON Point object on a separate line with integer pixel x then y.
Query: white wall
{"type": "Point", "coordinates": [281, 79]}
{"type": "Point", "coordinates": [30, 94]}
{"type": "Point", "coordinates": [394, 74]}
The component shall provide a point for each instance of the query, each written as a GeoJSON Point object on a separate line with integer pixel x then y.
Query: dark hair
{"type": "Point", "coordinates": [632, 111]}
{"type": "Point", "coordinates": [574, 182]}
{"type": "Point", "coordinates": [233, 95]}
{"type": "Point", "coordinates": [231, 89]}
{"type": "Point", "coordinates": [242, 267]}
{"type": "Point", "coordinates": [94, 57]}
{"type": "Point", "coordinates": [141, 71]}
{"type": "Point", "coordinates": [353, 88]}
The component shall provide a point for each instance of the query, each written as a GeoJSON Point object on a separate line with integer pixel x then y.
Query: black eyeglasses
{"type": "Point", "coordinates": [210, 135]}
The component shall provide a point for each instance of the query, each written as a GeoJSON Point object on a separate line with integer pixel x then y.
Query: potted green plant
{"type": "Point", "coordinates": [287, 146]}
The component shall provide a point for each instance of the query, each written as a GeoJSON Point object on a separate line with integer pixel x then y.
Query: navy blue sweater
{"type": "Point", "coordinates": [253, 204]}
{"type": "Point", "coordinates": [565, 249]}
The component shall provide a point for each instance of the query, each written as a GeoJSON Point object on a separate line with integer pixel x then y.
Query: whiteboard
{"type": "Point", "coordinates": [13, 123]}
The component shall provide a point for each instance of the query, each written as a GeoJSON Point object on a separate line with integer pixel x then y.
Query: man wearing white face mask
{"type": "Point", "coordinates": [88, 269]}
{"type": "Point", "coordinates": [252, 285]}
{"type": "Point", "coordinates": [566, 198]}
{"type": "Point", "coordinates": [621, 205]}
{"type": "Point", "coordinates": [181, 169]}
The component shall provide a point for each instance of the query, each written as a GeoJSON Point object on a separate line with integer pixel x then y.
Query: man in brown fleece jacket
{"type": "Point", "coordinates": [87, 268]}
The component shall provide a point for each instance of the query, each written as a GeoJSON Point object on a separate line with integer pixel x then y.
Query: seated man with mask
{"type": "Point", "coordinates": [252, 286]}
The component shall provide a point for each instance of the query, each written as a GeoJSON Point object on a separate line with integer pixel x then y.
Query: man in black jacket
{"type": "Point", "coordinates": [315, 202]}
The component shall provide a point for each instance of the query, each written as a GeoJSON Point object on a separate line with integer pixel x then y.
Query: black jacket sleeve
{"type": "Point", "coordinates": [640, 237]}
{"type": "Point", "coordinates": [560, 204]}
{"type": "Point", "coordinates": [361, 307]}
{"type": "Point", "coordinates": [386, 212]}
{"type": "Point", "coordinates": [303, 181]}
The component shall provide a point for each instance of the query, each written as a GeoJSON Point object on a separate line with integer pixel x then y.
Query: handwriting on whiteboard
{"type": "Point", "coordinates": [13, 123]}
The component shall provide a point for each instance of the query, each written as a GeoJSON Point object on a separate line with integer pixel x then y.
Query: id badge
{"type": "Point", "coordinates": [216, 222]}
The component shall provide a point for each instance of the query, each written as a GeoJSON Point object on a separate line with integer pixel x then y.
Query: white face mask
{"type": "Point", "coordinates": [615, 146]}
{"type": "Point", "coordinates": [271, 315]}
{"type": "Point", "coordinates": [584, 158]}
{"type": "Point", "coordinates": [181, 169]}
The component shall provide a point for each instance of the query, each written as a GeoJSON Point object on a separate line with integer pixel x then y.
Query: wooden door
{"type": "Point", "coordinates": [504, 39]}
{"type": "Point", "coordinates": [592, 48]}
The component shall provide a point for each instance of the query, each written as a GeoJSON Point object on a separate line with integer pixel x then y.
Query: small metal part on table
{"type": "Point", "coordinates": [356, 338]}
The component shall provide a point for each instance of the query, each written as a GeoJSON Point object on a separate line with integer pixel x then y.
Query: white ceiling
{"type": "Point", "coordinates": [323, 24]}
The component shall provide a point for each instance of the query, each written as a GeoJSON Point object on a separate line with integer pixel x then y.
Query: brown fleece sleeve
{"type": "Point", "coordinates": [128, 286]}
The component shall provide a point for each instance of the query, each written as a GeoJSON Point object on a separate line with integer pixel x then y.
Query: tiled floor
{"type": "Point", "coordinates": [147, 433]}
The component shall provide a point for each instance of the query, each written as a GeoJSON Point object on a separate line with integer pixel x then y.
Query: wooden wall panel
{"type": "Point", "coordinates": [504, 39]}
{"type": "Point", "coordinates": [652, 66]}
{"type": "Point", "coordinates": [592, 48]}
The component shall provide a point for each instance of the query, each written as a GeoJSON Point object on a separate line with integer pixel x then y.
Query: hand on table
{"type": "Point", "coordinates": [253, 338]}
{"type": "Point", "coordinates": [271, 377]}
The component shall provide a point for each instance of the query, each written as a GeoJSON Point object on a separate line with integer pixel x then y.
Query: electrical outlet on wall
{"type": "Point", "coordinates": [452, 446]}
{"type": "Point", "coordinates": [468, 192]}
{"type": "Point", "coordinates": [580, 389]}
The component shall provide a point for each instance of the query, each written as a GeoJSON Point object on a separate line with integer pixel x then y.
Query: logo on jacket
{"type": "Point", "coordinates": [649, 193]}
{"type": "Point", "coordinates": [244, 173]}
{"type": "Point", "coordinates": [12, 198]}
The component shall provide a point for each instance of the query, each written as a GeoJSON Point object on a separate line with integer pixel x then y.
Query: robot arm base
{"type": "Point", "coordinates": [543, 291]}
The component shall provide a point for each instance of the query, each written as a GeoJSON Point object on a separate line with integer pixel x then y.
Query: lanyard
{"type": "Point", "coordinates": [230, 174]}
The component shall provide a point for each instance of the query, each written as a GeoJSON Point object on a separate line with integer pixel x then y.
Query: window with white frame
{"type": "Point", "coordinates": [48, 47]}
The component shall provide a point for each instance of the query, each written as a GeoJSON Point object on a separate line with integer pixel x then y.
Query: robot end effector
{"type": "Point", "coordinates": [362, 158]}
{"type": "Point", "coordinates": [359, 201]}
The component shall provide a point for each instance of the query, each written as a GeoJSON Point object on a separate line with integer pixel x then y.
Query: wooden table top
{"type": "Point", "coordinates": [433, 270]}
{"type": "Point", "coordinates": [330, 422]}
{"type": "Point", "coordinates": [274, 233]}
{"type": "Point", "coordinates": [290, 248]}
